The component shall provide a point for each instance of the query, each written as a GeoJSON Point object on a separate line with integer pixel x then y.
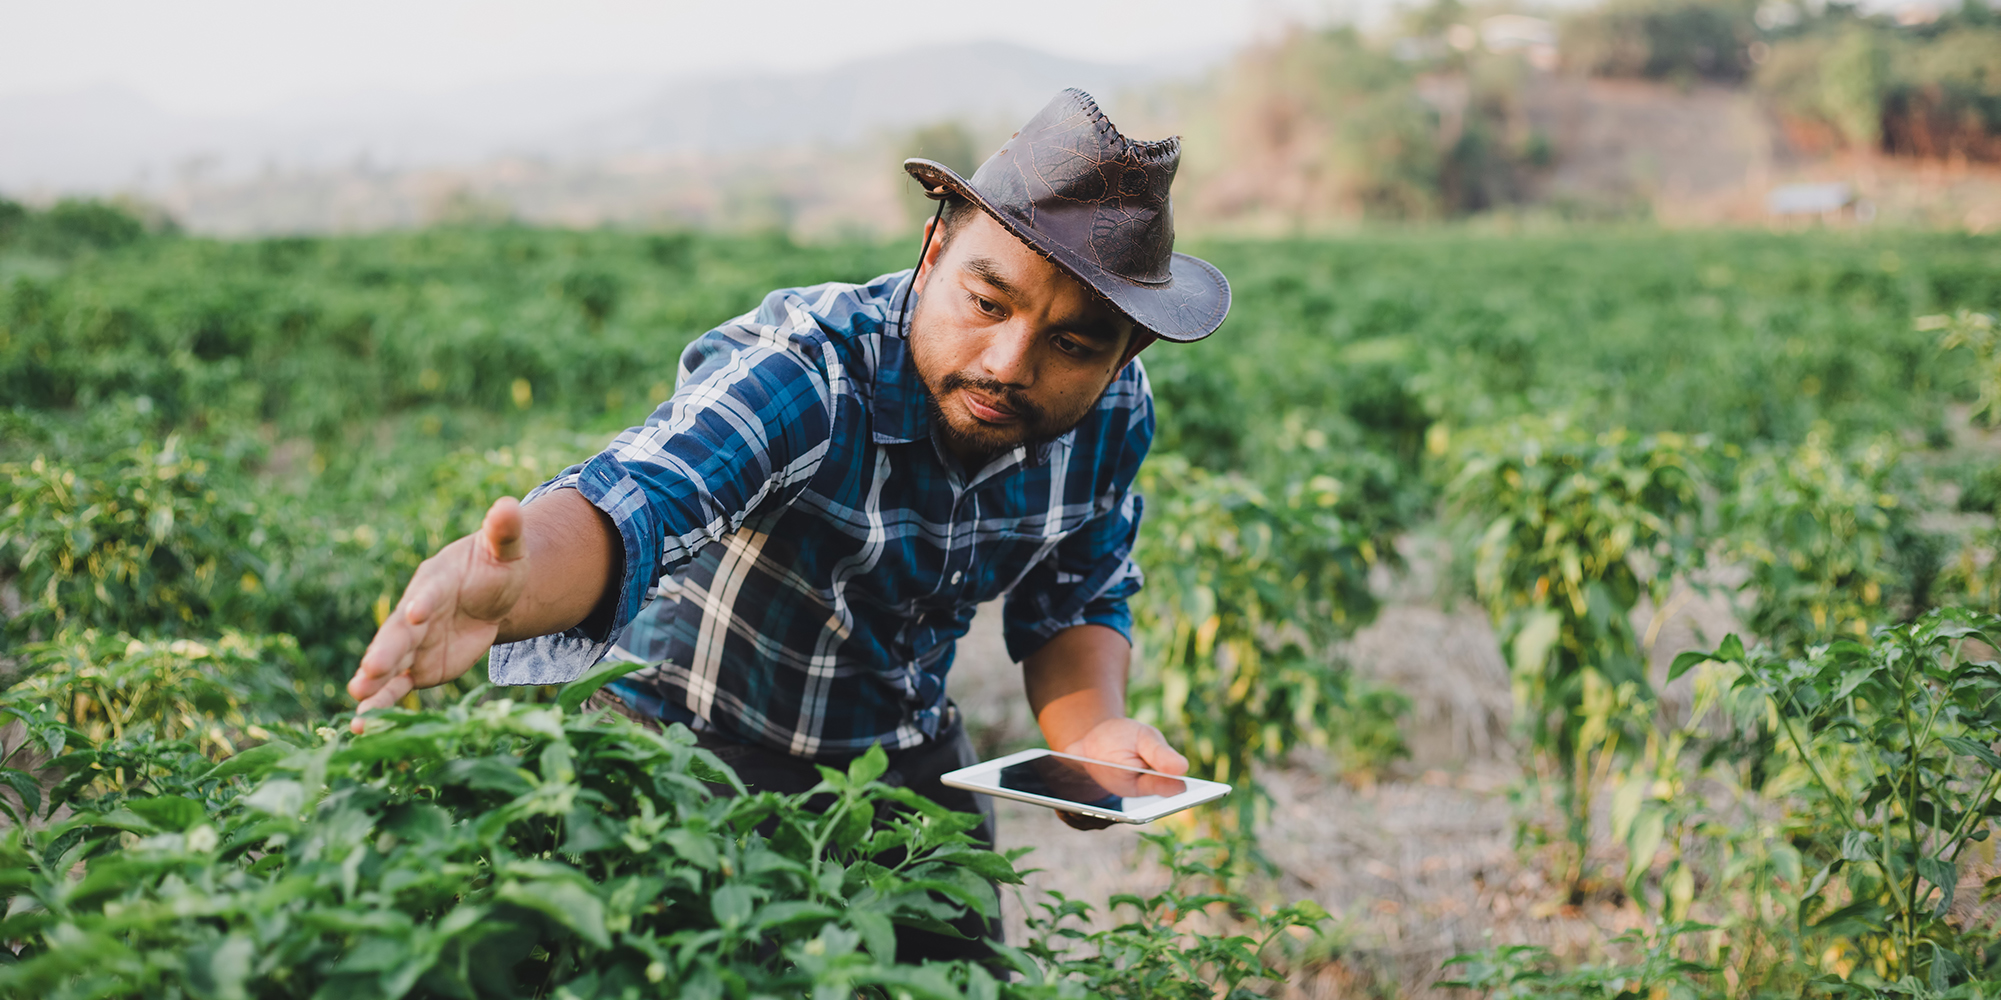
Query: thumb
{"type": "Point", "coordinates": [502, 530]}
{"type": "Point", "coordinates": [1153, 749]}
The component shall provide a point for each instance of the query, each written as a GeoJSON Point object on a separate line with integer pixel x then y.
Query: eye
{"type": "Point", "coordinates": [1073, 347]}
{"type": "Point", "coordinates": [986, 305]}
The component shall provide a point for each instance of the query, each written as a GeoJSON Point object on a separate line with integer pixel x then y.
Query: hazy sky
{"type": "Point", "coordinates": [231, 56]}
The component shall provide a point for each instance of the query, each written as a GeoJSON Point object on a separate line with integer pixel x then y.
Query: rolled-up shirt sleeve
{"type": "Point", "coordinates": [748, 425]}
{"type": "Point", "coordinates": [1090, 576]}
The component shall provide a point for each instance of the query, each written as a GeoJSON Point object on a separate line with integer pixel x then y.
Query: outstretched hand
{"type": "Point", "coordinates": [1127, 743]}
{"type": "Point", "coordinates": [450, 613]}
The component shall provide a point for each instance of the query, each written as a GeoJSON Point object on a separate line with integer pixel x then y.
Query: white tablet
{"type": "Point", "coordinates": [1090, 787]}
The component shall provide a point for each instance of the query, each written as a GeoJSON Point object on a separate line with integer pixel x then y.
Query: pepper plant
{"type": "Point", "coordinates": [483, 849]}
{"type": "Point", "coordinates": [490, 849]}
{"type": "Point", "coordinates": [1246, 593]}
{"type": "Point", "coordinates": [1190, 941]}
{"type": "Point", "coordinates": [1577, 529]}
{"type": "Point", "coordinates": [1830, 545]}
{"type": "Point", "coordinates": [1889, 757]}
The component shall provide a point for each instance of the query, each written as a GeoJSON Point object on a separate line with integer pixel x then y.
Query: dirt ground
{"type": "Point", "coordinates": [1418, 864]}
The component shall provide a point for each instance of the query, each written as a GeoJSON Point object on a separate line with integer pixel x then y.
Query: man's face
{"type": "Point", "coordinates": [1011, 348]}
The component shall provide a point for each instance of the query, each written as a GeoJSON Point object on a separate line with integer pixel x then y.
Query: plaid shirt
{"type": "Point", "coordinates": [801, 553]}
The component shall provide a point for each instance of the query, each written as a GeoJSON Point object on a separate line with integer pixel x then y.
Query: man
{"type": "Point", "coordinates": [792, 543]}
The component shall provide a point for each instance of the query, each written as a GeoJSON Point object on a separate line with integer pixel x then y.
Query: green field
{"type": "Point", "coordinates": [249, 446]}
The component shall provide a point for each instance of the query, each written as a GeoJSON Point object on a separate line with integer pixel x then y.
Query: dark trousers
{"type": "Point", "coordinates": [918, 769]}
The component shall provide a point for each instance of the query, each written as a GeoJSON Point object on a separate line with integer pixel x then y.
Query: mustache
{"type": "Point", "coordinates": [1011, 398]}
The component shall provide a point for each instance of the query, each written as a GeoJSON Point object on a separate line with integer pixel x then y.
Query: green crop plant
{"type": "Point", "coordinates": [1830, 545]}
{"type": "Point", "coordinates": [145, 537]}
{"type": "Point", "coordinates": [1574, 532]}
{"type": "Point", "coordinates": [1190, 941]}
{"type": "Point", "coordinates": [216, 693]}
{"type": "Point", "coordinates": [1891, 777]}
{"type": "Point", "coordinates": [1246, 593]}
{"type": "Point", "coordinates": [1977, 333]}
{"type": "Point", "coordinates": [1520, 971]}
{"type": "Point", "coordinates": [484, 850]}
{"type": "Point", "coordinates": [490, 848]}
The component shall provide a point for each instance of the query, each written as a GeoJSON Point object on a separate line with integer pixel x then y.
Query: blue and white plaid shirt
{"type": "Point", "coordinates": [801, 553]}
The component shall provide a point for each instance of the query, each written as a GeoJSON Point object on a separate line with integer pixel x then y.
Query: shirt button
{"type": "Point", "coordinates": [955, 577]}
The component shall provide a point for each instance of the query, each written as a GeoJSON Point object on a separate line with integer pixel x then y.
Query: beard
{"type": "Point", "coordinates": [981, 440]}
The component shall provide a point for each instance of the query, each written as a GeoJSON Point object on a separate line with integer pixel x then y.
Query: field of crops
{"type": "Point", "coordinates": [220, 461]}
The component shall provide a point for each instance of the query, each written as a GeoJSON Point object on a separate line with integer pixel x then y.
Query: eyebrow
{"type": "Point", "coordinates": [985, 269]}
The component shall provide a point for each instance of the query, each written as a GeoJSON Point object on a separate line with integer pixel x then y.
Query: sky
{"type": "Point", "coordinates": [229, 57]}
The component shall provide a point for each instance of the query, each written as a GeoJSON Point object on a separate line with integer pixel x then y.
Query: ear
{"type": "Point", "coordinates": [933, 249]}
{"type": "Point", "coordinates": [1136, 342]}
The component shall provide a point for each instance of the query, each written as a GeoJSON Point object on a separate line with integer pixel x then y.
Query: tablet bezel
{"type": "Point", "coordinates": [982, 778]}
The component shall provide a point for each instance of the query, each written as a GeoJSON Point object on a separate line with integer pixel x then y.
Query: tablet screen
{"type": "Point", "coordinates": [1100, 786]}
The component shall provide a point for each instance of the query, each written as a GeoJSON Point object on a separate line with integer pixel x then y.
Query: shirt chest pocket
{"type": "Point", "coordinates": [1004, 556]}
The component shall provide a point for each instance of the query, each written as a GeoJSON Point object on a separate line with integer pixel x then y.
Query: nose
{"type": "Point", "coordinates": [1009, 355]}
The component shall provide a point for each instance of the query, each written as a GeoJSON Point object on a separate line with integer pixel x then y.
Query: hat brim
{"type": "Point", "coordinates": [1187, 307]}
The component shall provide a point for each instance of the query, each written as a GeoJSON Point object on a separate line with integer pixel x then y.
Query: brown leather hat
{"type": "Point", "coordinates": [1095, 203]}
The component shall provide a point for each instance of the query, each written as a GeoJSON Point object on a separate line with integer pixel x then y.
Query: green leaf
{"type": "Point", "coordinates": [254, 761]}
{"type": "Point", "coordinates": [573, 695]}
{"type": "Point", "coordinates": [877, 932]}
{"type": "Point", "coordinates": [988, 865]}
{"type": "Point", "coordinates": [24, 785]}
{"type": "Point", "coordinates": [569, 903]}
{"type": "Point", "coordinates": [1686, 662]}
{"type": "Point", "coordinates": [1644, 842]}
{"type": "Point", "coordinates": [1946, 966]}
{"type": "Point", "coordinates": [1856, 846]}
{"type": "Point", "coordinates": [219, 971]}
{"type": "Point", "coordinates": [1943, 874]}
{"type": "Point", "coordinates": [791, 911]}
{"type": "Point", "coordinates": [1030, 970]}
{"type": "Point", "coordinates": [170, 812]}
{"type": "Point", "coordinates": [698, 849]}
{"type": "Point", "coordinates": [732, 905]}
{"type": "Point", "coordinates": [1731, 650]}
{"type": "Point", "coordinates": [277, 797]}
{"type": "Point", "coordinates": [868, 767]}
{"type": "Point", "coordinates": [854, 825]}
{"type": "Point", "coordinates": [1786, 863]}
{"type": "Point", "coordinates": [1530, 650]}
{"type": "Point", "coordinates": [586, 830]}
{"type": "Point", "coordinates": [1970, 748]}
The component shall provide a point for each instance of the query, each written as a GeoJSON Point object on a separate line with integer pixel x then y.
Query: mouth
{"type": "Point", "coordinates": [988, 412]}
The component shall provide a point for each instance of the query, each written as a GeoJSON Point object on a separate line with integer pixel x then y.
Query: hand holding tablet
{"type": "Point", "coordinates": [1093, 788]}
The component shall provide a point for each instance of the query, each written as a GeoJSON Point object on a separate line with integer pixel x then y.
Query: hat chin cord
{"type": "Point", "coordinates": [921, 254]}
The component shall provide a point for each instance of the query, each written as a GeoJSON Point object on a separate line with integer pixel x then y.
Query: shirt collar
{"type": "Point", "coordinates": [900, 405]}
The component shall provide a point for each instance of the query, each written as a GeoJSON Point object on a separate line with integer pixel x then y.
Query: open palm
{"type": "Point", "coordinates": [450, 613]}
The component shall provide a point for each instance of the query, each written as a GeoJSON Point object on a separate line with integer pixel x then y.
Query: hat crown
{"type": "Point", "coordinates": [1071, 175]}
{"type": "Point", "coordinates": [1095, 203]}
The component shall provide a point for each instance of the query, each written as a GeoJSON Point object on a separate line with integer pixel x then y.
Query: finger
{"type": "Point", "coordinates": [391, 652]}
{"type": "Point", "coordinates": [1153, 749]}
{"type": "Point", "coordinates": [1079, 821]}
{"type": "Point", "coordinates": [503, 530]}
{"type": "Point", "coordinates": [392, 691]}
{"type": "Point", "coordinates": [419, 603]}
{"type": "Point", "coordinates": [375, 669]}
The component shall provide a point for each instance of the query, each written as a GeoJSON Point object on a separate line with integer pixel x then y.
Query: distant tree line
{"type": "Point", "coordinates": [1327, 123]}
{"type": "Point", "coordinates": [1838, 76]}
{"type": "Point", "coordinates": [75, 225]}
